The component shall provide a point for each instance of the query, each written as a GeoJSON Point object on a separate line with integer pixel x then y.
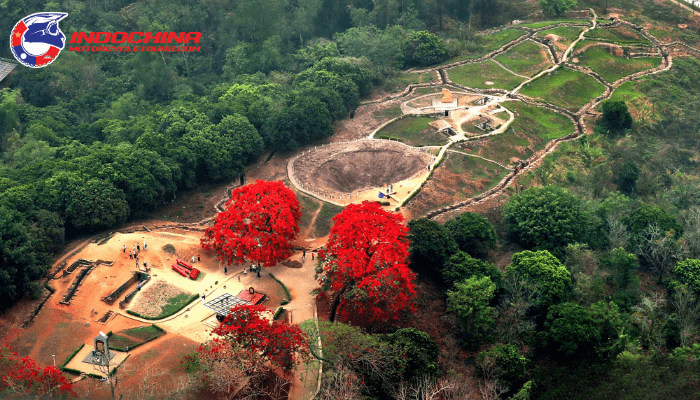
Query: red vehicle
{"type": "Point", "coordinates": [182, 270]}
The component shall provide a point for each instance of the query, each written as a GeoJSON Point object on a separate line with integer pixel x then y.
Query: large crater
{"type": "Point", "coordinates": [348, 167]}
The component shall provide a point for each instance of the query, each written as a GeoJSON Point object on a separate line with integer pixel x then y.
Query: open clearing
{"type": "Point", "coordinates": [565, 34]}
{"type": "Point", "coordinates": [487, 44]}
{"type": "Point", "coordinates": [539, 122]}
{"type": "Point", "coordinates": [620, 35]}
{"type": "Point", "coordinates": [611, 67]}
{"type": "Point", "coordinates": [134, 337]}
{"type": "Point", "coordinates": [526, 58]}
{"type": "Point", "coordinates": [458, 177]}
{"type": "Point", "coordinates": [537, 25]}
{"type": "Point", "coordinates": [414, 131]}
{"type": "Point", "coordinates": [477, 74]}
{"type": "Point", "coordinates": [531, 130]}
{"type": "Point", "coordinates": [564, 87]}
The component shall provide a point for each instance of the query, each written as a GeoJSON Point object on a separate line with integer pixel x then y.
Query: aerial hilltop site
{"type": "Point", "coordinates": [316, 200]}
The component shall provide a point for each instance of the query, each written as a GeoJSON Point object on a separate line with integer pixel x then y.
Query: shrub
{"type": "Point", "coordinates": [289, 296]}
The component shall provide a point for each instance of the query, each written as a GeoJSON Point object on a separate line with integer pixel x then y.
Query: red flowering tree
{"type": "Point", "coordinates": [258, 225]}
{"type": "Point", "coordinates": [25, 376]}
{"type": "Point", "coordinates": [248, 344]}
{"type": "Point", "coordinates": [365, 265]}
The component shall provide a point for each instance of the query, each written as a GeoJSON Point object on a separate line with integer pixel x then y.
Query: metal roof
{"type": "Point", "coordinates": [6, 66]}
{"type": "Point", "coordinates": [223, 304]}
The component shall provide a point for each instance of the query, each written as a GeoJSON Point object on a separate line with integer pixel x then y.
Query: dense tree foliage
{"type": "Point", "coordinates": [259, 224]}
{"type": "Point", "coordinates": [473, 233]}
{"type": "Point", "coordinates": [431, 246]}
{"type": "Point", "coordinates": [541, 269]}
{"type": "Point", "coordinates": [506, 363]}
{"type": "Point", "coordinates": [546, 218]}
{"type": "Point", "coordinates": [469, 301]}
{"type": "Point", "coordinates": [570, 330]}
{"type": "Point", "coordinates": [126, 132]}
{"type": "Point", "coordinates": [616, 118]}
{"type": "Point", "coordinates": [627, 178]}
{"type": "Point", "coordinates": [462, 266]}
{"type": "Point", "coordinates": [639, 221]}
{"type": "Point", "coordinates": [556, 8]}
{"type": "Point", "coordinates": [689, 273]}
{"type": "Point", "coordinates": [423, 48]}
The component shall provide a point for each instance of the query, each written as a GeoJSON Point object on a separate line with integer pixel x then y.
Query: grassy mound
{"type": "Point", "coordinates": [611, 67]}
{"type": "Point", "coordinates": [542, 24]}
{"type": "Point", "coordinates": [489, 43]}
{"type": "Point", "coordinates": [414, 131]}
{"type": "Point", "coordinates": [134, 337]}
{"type": "Point", "coordinates": [526, 58]}
{"type": "Point", "coordinates": [531, 130]}
{"type": "Point", "coordinates": [539, 122]}
{"type": "Point", "coordinates": [564, 87]}
{"type": "Point", "coordinates": [476, 75]}
{"type": "Point", "coordinates": [620, 35]}
{"type": "Point", "coordinates": [567, 34]}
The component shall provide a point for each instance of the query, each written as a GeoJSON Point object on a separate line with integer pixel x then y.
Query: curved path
{"type": "Point", "coordinates": [498, 96]}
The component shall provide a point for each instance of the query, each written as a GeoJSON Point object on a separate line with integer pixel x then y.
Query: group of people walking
{"type": "Point", "coordinates": [134, 252]}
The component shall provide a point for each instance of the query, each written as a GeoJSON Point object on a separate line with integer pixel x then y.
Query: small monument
{"type": "Point", "coordinates": [447, 96]}
{"type": "Point", "coordinates": [100, 355]}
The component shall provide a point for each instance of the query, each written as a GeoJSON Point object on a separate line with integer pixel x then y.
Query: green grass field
{"type": "Point", "coordinates": [414, 131]}
{"type": "Point", "coordinates": [427, 90]}
{"type": "Point", "coordinates": [323, 220]}
{"type": "Point", "coordinates": [526, 58]}
{"type": "Point", "coordinates": [388, 112]}
{"type": "Point", "coordinates": [612, 68]}
{"type": "Point", "coordinates": [499, 148]}
{"type": "Point", "coordinates": [626, 92]}
{"type": "Point", "coordinates": [537, 25]}
{"type": "Point", "coordinates": [531, 130]}
{"type": "Point", "coordinates": [134, 337]}
{"type": "Point", "coordinates": [620, 35]}
{"type": "Point", "coordinates": [567, 33]}
{"type": "Point", "coordinates": [564, 87]}
{"type": "Point", "coordinates": [475, 75]}
{"type": "Point", "coordinates": [481, 175]}
{"type": "Point", "coordinates": [415, 77]}
{"type": "Point", "coordinates": [538, 122]}
{"type": "Point", "coordinates": [174, 305]}
{"type": "Point", "coordinates": [487, 44]}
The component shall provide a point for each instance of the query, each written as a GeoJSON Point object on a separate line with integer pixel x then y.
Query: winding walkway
{"type": "Point", "coordinates": [498, 96]}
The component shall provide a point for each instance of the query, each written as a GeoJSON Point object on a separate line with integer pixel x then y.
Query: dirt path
{"type": "Point", "coordinates": [309, 231]}
{"type": "Point", "coordinates": [512, 72]}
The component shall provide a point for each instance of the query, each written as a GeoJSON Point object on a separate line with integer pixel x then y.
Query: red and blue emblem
{"type": "Point", "coordinates": [37, 40]}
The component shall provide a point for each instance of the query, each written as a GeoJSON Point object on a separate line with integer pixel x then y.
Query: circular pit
{"type": "Point", "coordinates": [364, 164]}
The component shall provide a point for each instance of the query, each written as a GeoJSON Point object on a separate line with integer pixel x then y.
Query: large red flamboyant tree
{"type": "Point", "coordinates": [248, 328]}
{"type": "Point", "coordinates": [28, 378]}
{"type": "Point", "coordinates": [365, 265]}
{"type": "Point", "coordinates": [248, 351]}
{"type": "Point", "coordinates": [258, 225]}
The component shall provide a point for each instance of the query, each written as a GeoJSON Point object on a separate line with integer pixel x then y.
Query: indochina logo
{"type": "Point", "coordinates": [37, 40]}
